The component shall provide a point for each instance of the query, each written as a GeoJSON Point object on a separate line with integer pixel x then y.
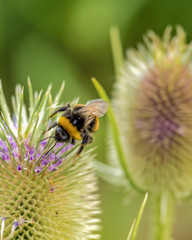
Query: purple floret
{"type": "Point", "coordinates": [38, 169]}
{"type": "Point", "coordinates": [12, 141]}
{"type": "Point", "coordinates": [19, 168]}
{"type": "Point", "coordinates": [44, 162]}
{"type": "Point", "coordinates": [59, 161]}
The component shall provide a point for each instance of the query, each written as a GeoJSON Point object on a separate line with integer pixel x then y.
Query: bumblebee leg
{"type": "Point", "coordinates": [90, 140]}
{"type": "Point", "coordinates": [80, 150]}
{"type": "Point", "coordinates": [86, 140]}
{"type": "Point", "coordinates": [73, 141]}
{"type": "Point", "coordinates": [52, 126]}
{"type": "Point", "coordinates": [50, 149]}
{"type": "Point", "coordinates": [62, 109]}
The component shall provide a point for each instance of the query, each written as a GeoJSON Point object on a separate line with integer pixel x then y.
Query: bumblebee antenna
{"type": "Point", "coordinates": [50, 149]}
{"type": "Point", "coordinates": [46, 138]}
{"type": "Point", "coordinates": [52, 126]}
{"type": "Point", "coordinates": [61, 109]}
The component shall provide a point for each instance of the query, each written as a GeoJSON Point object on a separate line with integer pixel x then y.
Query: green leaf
{"type": "Point", "coordinates": [135, 225]}
{"type": "Point", "coordinates": [131, 230]}
{"type": "Point", "coordinates": [115, 134]}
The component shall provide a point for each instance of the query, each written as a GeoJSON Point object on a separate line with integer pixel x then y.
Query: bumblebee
{"type": "Point", "coordinates": [78, 123]}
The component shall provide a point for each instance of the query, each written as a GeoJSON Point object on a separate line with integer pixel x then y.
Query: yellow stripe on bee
{"type": "Point", "coordinates": [68, 126]}
{"type": "Point", "coordinates": [79, 105]}
{"type": "Point", "coordinates": [96, 126]}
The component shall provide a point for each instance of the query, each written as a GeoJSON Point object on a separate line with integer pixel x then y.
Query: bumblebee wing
{"type": "Point", "coordinates": [95, 108]}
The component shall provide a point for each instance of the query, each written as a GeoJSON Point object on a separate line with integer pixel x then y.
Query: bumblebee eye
{"type": "Point", "coordinates": [64, 136]}
{"type": "Point", "coordinates": [61, 135]}
{"type": "Point", "coordinates": [74, 122]}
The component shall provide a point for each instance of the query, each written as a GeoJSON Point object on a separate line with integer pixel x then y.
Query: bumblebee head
{"type": "Point", "coordinates": [61, 135]}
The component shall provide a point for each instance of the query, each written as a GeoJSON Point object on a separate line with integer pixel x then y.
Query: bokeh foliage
{"type": "Point", "coordinates": [52, 41]}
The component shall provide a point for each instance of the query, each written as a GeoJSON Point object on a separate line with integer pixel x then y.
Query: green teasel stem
{"type": "Point", "coordinates": [162, 210]}
{"type": "Point", "coordinates": [116, 46]}
{"type": "Point", "coordinates": [116, 136]}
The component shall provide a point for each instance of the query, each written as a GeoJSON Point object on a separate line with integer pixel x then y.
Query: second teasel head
{"type": "Point", "coordinates": [152, 99]}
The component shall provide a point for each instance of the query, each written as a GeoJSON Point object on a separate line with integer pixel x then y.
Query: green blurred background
{"type": "Point", "coordinates": [52, 41]}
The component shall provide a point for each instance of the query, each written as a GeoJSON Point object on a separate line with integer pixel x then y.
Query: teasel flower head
{"type": "Point", "coordinates": [152, 99]}
{"type": "Point", "coordinates": [42, 196]}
